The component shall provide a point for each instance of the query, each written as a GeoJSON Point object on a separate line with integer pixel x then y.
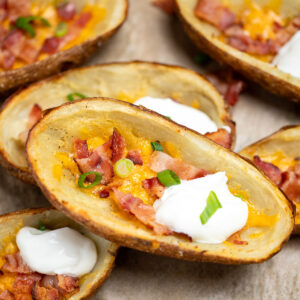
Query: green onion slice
{"type": "Point", "coordinates": [212, 205]}
{"type": "Point", "coordinates": [24, 23]}
{"type": "Point", "coordinates": [168, 178]}
{"type": "Point", "coordinates": [201, 58]}
{"type": "Point", "coordinates": [85, 175]}
{"type": "Point", "coordinates": [123, 167]}
{"type": "Point", "coordinates": [76, 95]}
{"type": "Point", "coordinates": [61, 29]}
{"type": "Point", "coordinates": [156, 146]}
{"type": "Point", "coordinates": [42, 227]}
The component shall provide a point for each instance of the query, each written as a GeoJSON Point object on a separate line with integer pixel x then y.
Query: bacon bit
{"type": "Point", "coordinates": [6, 295]}
{"type": "Point", "coordinates": [35, 115]}
{"type": "Point", "coordinates": [233, 91]}
{"type": "Point", "coordinates": [104, 194]}
{"type": "Point", "coordinates": [221, 137]}
{"type": "Point", "coordinates": [42, 293]}
{"type": "Point", "coordinates": [240, 242]}
{"type": "Point", "coordinates": [135, 156]}
{"type": "Point", "coordinates": [15, 264]}
{"type": "Point", "coordinates": [215, 13]}
{"type": "Point", "coordinates": [161, 161]}
{"type": "Point", "coordinates": [49, 281]}
{"type": "Point", "coordinates": [68, 285]}
{"type": "Point", "coordinates": [290, 183]}
{"type": "Point", "coordinates": [29, 53]}
{"type": "Point", "coordinates": [18, 9]}
{"type": "Point", "coordinates": [168, 6]}
{"type": "Point", "coordinates": [3, 10]}
{"type": "Point", "coordinates": [51, 45]}
{"type": "Point", "coordinates": [67, 11]}
{"type": "Point", "coordinates": [23, 283]}
{"type": "Point", "coordinates": [81, 148]}
{"type": "Point", "coordinates": [7, 59]}
{"type": "Point", "coordinates": [143, 212]}
{"type": "Point", "coordinates": [269, 169]}
{"type": "Point", "coordinates": [154, 187]}
{"type": "Point", "coordinates": [118, 145]}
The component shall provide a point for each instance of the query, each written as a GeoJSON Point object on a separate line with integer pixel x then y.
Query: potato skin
{"type": "Point", "coordinates": [58, 62]}
{"type": "Point", "coordinates": [278, 83]}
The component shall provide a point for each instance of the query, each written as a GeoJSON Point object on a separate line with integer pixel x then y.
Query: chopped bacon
{"type": "Point", "coordinates": [161, 161]}
{"type": "Point", "coordinates": [18, 9]}
{"type": "Point", "coordinates": [67, 11]}
{"type": "Point", "coordinates": [7, 59]}
{"type": "Point", "coordinates": [6, 295]}
{"type": "Point", "coordinates": [104, 194]}
{"type": "Point", "coordinates": [221, 137]}
{"type": "Point", "coordinates": [214, 12]}
{"type": "Point", "coordinates": [49, 281]}
{"type": "Point", "coordinates": [118, 145]}
{"type": "Point", "coordinates": [143, 212]}
{"type": "Point", "coordinates": [3, 10]}
{"type": "Point", "coordinates": [67, 284]}
{"type": "Point", "coordinates": [15, 264]}
{"type": "Point", "coordinates": [135, 156]}
{"type": "Point", "coordinates": [51, 45]}
{"type": "Point", "coordinates": [24, 283]}
{"type": "Point", "coordinates": [233, 91]}
{"type": "Point", "coordinates": [29, 53]}
{"type": "Point", "coordinates": [42, 293]}
{"type": "Point", "coordinates": [154, 187]}
{"type": "Point", "coordinates": [269, 169]}
{"type": "Point", "coordinates": [168, 6]}
{"type": "Point", "coordinates": [81, 148]}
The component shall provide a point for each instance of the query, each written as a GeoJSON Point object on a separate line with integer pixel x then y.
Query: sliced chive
{"type": "Point", "coordinates": [83, 176]}
{"type": "Point", "coordinates": [156, 146]}
{"type": "Point", "coordinates": [201, 58]}
{"type": "Point", "coordinates": [212, 205]}
{"type": "Point", "coordinates": [24, 23]}
{"type": "Point", "coordinates": [61, 29]}
{"type": "Point", "coordinates": [123, 167]}
{"type": "Point", "coordinates": [168, 178]}
{"type": "Point", "coordinates": [42, 227]}
{"type": "Point", "coordinates": [169, 117]}
{"type": "Point", "coordinates": [76, 95]}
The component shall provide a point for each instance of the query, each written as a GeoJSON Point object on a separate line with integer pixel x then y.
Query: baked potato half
{"type": "Point", "coordinates": [124, 81]}
{"type": "Point", "coordinates": [60, 126]}
{"type": "Point", "coordinates": [112, 13]}
{"type": "Point", "coordinates": [280, 149]}
{"type": "Point", "coordinates": [207, 38]}
{"type": "Point", "coordinates": [10, 224]}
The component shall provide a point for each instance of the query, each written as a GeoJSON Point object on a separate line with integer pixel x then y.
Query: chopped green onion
{"type": "Point", "coordinates": [212, 205]}
{"type": "Point", "coordinates": [201, 58]}
{"type": "Point", "coordinates": [85, 175]}
{"type": "Point", "coordinates": [169, 117]}
{"type": "Point", "coordinates": [42, 227]}
{"type": "Point", "coordinates": [61, 29]}
{"type": "Point", "coordinates": [123, 167]}
{"type": "Point", "coordinates": [156, 146]}
{"type": "Point", "coordinates": [24, 23]}
{"type": "Point", "coordinates": [76, 95]}
{"type": "Point", "coordinates": [168, 178]}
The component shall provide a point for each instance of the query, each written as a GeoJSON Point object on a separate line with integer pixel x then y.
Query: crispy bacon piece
{"type": "Point", "coordinates": [68, 285]}
{"type": "Point", "coordinates": [3, 10]}
{"type": "Point", "coordinates": [67, 11]}
{"type": "Point", "coordinates": [221, 137]}
{"type": "Point", "coordinates": [7, 59]}
{"type": "Point", "coordinates": [49, 281]}
{"type": "Point", "coordinates": [81, 148]}
{"type": "Point", "coordinates": [233, 91]}
{"type": "Point", "coordinates": [15, 264]}
{"type": "Point", "coordinates": [42, 293]}
{"type": "Point", "coordinates": [143, 212]}
{"type": "Point", "coordinates": [269, 169]}
{"type": "Point", "coordinates": [214, 12]}
{"type": "Point", "coordinates": [51, 45]}
{"type": "Point", "coordinates": [6, 295]}
{"type": "Point", "coordinates": [290, 183]}
{"type": "Point", "coordinates": [161, 161]}
{"type": "Point", "coordinates": [18, 8]}
{"type": "Point", "coordinates": [154, 187]}
{"type": "Point", "coordinates": [135, 156]}
{"type": "Point", "coordinates": [24, 283]}
{"type": "Point", "coordinates": [118, 145]}
{"type": "Point", "coordinates": [168, 6]}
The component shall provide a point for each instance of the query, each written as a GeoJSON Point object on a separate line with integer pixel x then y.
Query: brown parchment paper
{"type": "Point", "coordinates": [151, 35]}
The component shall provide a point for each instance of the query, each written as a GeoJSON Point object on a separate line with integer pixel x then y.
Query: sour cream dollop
{"type": "Point", "coordinates": [288, 57]}
{"type": "Point", "coordinates": [181, 206]}
{"type": "Point", "coordinates": [179, 113]}
{"type": "Point", "coordinates": [62, 251]}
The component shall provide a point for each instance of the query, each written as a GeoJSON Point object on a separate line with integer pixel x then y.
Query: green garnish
{"type": "Point", "coordinates": [24, 23]}
{"type": "Point", "coordinates": [212, 205]}
{"type": "Point", "coordinates": [169, 117]}
{"type": "Point", "coordinates": [156, 146]}
{"type": "Point", "coordinates": [168, 178]}
{"type": "Point", "coordinates": [42, 227]}
{"type": "Point", "coordinates": [85, 175]}
{"type": "Point", "coordinates": [201, 58]}
{"type": "Point", "coordinates": [61, 29]}
{"type": "Point", "coordinates": [123, 167]}
{"type": "Point", "coordinates": [75, 95]}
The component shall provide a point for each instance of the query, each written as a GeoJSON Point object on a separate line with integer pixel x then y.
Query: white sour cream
{"type": "Point", "coordinates": [181, 206]}
{"type": "Point", "coordinates": [179, 113]}
{"type": "Point", "coordinates": [62, 251]}
{"type": "Point", "coordinates": [288, 58]}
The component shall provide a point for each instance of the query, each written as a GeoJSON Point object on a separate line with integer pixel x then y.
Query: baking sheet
{"type": "Point", "coordinates": [151, 35]}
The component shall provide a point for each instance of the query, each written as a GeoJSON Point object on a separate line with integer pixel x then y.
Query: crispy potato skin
{"type": "Point", "coordinates": [24, 173]}
{"type": "Point", "coordinates": [280, 85]}
{"type": "Point", "coordinates": [28, 214]}
{"type": "Point", "coordinates": [150, 242]}
{"type": "Point", "coordinates": [61, 61]}
{"type": "Point", "coordinates": [293, 130]}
